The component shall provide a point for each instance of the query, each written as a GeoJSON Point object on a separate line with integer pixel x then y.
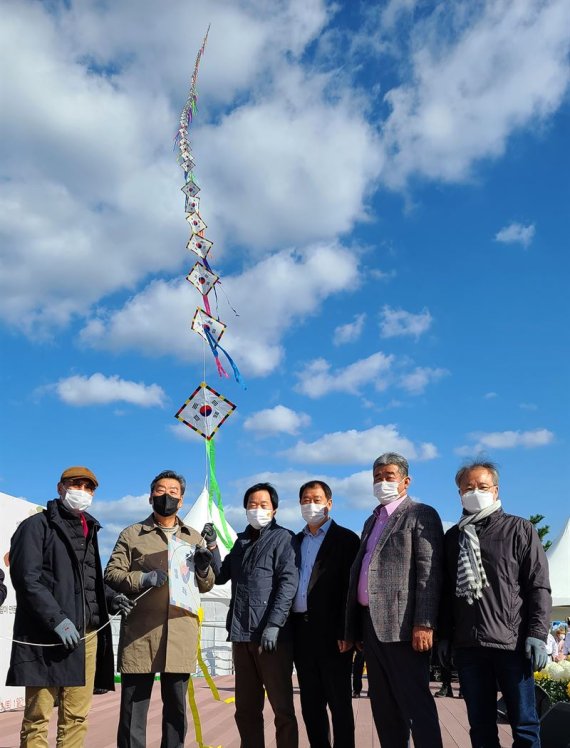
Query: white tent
{"type": "Point", "coordinates": [558, 556]}
{"type": "Point", "coordinates": [217, 652]}
{"type": "Point", "coordinates": [12, 511]}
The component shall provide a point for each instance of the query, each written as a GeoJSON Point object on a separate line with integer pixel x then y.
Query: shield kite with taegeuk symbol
{"type": "Point", "coordinates": [205, 411]}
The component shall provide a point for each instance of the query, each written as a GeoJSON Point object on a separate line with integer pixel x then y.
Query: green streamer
{"type": "Point", "coordinates": [214, 490]}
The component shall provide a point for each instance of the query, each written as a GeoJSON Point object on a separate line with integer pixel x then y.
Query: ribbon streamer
{"type": "Point", "coordinates": [209, 680]}
{"type": "Point", "coordinates": [214, 344]}
{"type": "Point", "coordinates": [223, 531]}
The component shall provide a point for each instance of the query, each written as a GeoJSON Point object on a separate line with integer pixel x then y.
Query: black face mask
{"type": "Point", "coordinates": [165, 505]}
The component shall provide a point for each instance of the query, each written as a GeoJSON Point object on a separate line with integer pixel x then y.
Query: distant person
{"type": "Point", "coordinates": [551, 646]}
{"type": "Point", "coordinates": [566, 648]}
{"type": "Point", "coordinates": [357, 672]}
{"type": "Point", "coordinates": [393, 604]}
{"type": "Point", "coordinates": [560, 645]}
{"type": "Point", "coordinates": [262, 567]}
{"type": "Point", "coordinates": [496, 609]}
{"type": "Point", "coordinates": [157, 637]}
{"type": "Point", "coordinates": [323, 657]}
{"type": "Point", "coordinates": [56, 572]}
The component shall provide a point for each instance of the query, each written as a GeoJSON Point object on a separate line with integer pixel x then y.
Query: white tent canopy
{"type": "Point", "coordinates": [217, 652]}
{"type": "Point", "coordinates": [558, 556]}
{"type": "Point", "coordinates": [13, 511]}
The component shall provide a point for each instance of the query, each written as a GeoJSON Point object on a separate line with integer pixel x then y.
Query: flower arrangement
{"type": "Point", "coordinates": [555, 680]}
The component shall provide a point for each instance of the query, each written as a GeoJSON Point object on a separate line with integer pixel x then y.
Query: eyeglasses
{"type": "Point", "coordinates": [81, 483]}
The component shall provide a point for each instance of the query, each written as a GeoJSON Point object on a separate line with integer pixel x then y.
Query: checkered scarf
{"type": "Point", "coordinates": [471, 577]}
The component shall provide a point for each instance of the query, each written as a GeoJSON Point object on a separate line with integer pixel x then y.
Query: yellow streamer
{"type": "Point", "coordinates": [211, 684]}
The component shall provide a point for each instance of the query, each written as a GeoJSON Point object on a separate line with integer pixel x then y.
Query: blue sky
{"type": "Point", "coordinates": [386, 185]}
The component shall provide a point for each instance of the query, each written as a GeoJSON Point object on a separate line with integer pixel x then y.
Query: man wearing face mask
{"type": "Point", "coordinates": [262, 567]}
{"type": "Point", "coordinates": [496, 609]}
{"type": "Point", "coordinates": [393, 603]}
{"type": "Point", "coordinates": [157, 637]}
{"type": "Point", "coordinates": [61, 600]}
{"type": "Point", "coordinates": [323, 657]}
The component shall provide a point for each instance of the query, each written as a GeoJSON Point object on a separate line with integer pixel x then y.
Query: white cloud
{"type": "Point", "coordinates": [89, 196]}
{"type": "Point", "coordinates": [353, 490]}
{"type": "Point", "coordinates": [101, 390]}
{"type": "Point", "coordinates": [350, 332]}
{"type": "Point", "coordinates": [490, 395]}
{"type": "Point", "coordinates": [398, 322]}
{"type": "Point", "coordinates": [507, 440]}
{"type": "Point", "coordinates": [516, 233]}
{"type": "Point", "coordinates": [281, 290]}
{"type": "Point", "coordinates": [359, 447]}
{"type": "Point", "coordinates": [116, 514]}
{"type": "Point", "coordinates": [528, 406]}
{"type": "Point", "coordinates": [277, 420]}
{"type": "Point", "coordinates": [417, 380]}
{"type": "Point", "coordinates": [316, 379]}
{"type": "Point", "coordinates": [504, 67]}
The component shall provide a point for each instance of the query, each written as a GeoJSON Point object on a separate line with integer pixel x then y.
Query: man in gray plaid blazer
{"type": "Point", "coordinates": [392, 608]}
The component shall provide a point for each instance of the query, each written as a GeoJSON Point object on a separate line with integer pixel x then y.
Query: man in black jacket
{"type": "Point", "coordinates": [323, 657]}
{"type": "Point", "coordinates": [262, 567]}
{"type": "Point", "coordinates": [496, 609]}
{"type": "Point", "coordinates": [56, 572]}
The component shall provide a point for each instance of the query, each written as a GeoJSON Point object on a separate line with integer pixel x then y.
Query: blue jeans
{"type": "Point", "coordinates": [481, 671]}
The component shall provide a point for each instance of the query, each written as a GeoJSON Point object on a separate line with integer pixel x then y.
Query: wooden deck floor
{"type": "Point", "coordinates": [218, 724]}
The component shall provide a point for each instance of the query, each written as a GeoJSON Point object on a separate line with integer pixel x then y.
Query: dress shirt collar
{"type": "Point", "coordinates": [323, 529]}
{"type": "Point", "coordinates": [389, 508]}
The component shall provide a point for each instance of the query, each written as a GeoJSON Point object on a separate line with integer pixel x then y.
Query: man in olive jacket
{"type": "Point", "coordinates": [56, 573]}
{"type": "Point", "coordinates": [157, 637]}
{"type": "Point", "coordinates": [262, 567]}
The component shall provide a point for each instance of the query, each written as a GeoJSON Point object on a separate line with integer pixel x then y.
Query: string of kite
{"type": "Point", "coordinates": [205, 410]}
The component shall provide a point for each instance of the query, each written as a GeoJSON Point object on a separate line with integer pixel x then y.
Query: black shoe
{"type": "Point", "coordinates": [444, 691]}
{"type": "Point", "coordinates": [356, 694]}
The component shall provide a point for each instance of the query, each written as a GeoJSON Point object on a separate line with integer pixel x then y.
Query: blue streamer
{"type": "Point", "coordinates": [213, 346]}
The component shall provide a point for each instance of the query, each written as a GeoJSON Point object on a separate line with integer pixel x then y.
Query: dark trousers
{"type": "Point", "coordinates": [255, 672]}
{"type": "Point", "coordinates": [398, 686]}
{"type": "Point", "coordinates": [135, 698]}
{"type": "Point", "coordinates": [324, 680]}
{"type": "Point", "coordinates": [357, 670]}
{"type": "Point", "coordinates": [480, 670]}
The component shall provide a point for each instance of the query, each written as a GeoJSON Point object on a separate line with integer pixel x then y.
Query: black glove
{"type": "Point", "coordinates": [269, 638]}
{"type": "Point", "coordinates": [154, 578]}
{"type": "Point", "coordinates": [535, 650]}
{"type": "Point", "coordinates": [121, 604]}
{"type": "Point", "coordinates": [209, 534]}
{"type": "Point", "coordinates": [68, 634]}
{"type": "Point", "coordinates": [202, 559]}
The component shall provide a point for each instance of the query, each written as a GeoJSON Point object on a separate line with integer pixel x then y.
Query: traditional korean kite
{"type": "Point", "coordinates": [201, 276]}
{"type": "Point", "coordinates": [205, 411]}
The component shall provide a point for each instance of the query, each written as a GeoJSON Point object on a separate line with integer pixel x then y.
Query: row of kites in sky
{"type": "Point", "coordinates": [206, 410]}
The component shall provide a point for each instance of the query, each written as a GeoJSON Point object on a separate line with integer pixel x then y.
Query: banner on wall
{"type": "Point", "coordinates": [12, 511]}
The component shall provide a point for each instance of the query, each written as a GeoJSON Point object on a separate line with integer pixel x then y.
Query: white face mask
{"type": "Point", "coordinates": [314, 514]}
{"type": "Point", "coordinates": [258, 518]}
{"type": "Point", "coordinates": [474, 501]}
{"type": "Point", "coordinates": [386, 491]}
{"type": "Point", "coordinates": [76, 500]}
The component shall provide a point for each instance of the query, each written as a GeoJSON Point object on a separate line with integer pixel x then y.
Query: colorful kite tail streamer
{"type": "Point", "coordinates": [207, 305]}
{"type": "Point", "coordinates": [224, 533]}
{"type": "Point", "coordinates": [214, 344]}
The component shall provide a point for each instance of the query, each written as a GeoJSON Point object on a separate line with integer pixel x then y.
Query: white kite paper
{"type": "Point", "coordinates": [181, 580]}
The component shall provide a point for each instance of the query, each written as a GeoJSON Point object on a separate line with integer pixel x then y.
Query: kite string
{"type": "Point", "coordinates": [88, 636]}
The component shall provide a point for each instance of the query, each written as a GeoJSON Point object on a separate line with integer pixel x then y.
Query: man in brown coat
{"type": "Point", "coordinates": [157, 637]}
